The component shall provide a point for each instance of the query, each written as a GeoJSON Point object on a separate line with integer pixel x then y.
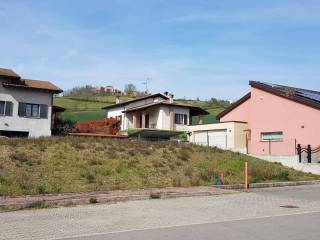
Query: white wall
{"type": "Point", "coordinates": [293, 162]}
{"type": "Point", "coordinates": [158, 115]}
{"type": "Point", "coordinates": [116, 112]}
{"type": "Point", "coordinates": [184, 111]}
{"type": "Point", "coordinates": [35, 126]}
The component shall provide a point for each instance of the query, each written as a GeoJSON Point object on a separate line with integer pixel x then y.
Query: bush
{"type": "Point", "coordinates": [63, 126]}
{"type": "Point", "coordinates": [283, 176]}
{"type": "Point", "coordinates": [41, 190]}
{"type": "Point", "coordinates": [93, 200]}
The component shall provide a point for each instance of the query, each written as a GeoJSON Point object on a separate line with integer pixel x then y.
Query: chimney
{"type": "Point", "coordinates": [117, 99]}
{"type": "Point", "coordinates": [171, 96]}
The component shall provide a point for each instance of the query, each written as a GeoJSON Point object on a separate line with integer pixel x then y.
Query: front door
{"type": "Point", "coordinates": [147, 120]}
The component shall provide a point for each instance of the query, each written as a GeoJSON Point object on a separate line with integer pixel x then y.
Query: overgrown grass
{"type": "Point", "coordinates": [79, 164]}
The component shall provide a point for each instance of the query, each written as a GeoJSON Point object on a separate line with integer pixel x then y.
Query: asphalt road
{"type": "Point", "coordinates": [280, 213]}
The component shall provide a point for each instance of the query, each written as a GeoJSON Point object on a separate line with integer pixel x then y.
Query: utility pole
{"type": "Point", "coordinates": [146, 84]}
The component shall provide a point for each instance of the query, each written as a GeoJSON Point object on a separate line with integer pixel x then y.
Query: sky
{"type": "Point", "coordinates": [192, 48]}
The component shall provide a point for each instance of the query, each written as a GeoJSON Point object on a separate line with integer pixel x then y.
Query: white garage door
{"type": "Point", "coordinates": [201, 138]}
{"type": "Point", "coordinates": [215, 138]}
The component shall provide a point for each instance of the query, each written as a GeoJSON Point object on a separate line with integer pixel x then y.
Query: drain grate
{"type": "Point", "coordinates": [289, 206]}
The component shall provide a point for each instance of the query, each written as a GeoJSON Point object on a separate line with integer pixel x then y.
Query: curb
{"type": "Point", "coordinates": [268, 185]}
{"type": "Point", "coordinates": [69, 200]}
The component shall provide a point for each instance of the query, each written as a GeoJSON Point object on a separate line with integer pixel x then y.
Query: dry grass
{"type": "Point", "coordinates": [80, 164]}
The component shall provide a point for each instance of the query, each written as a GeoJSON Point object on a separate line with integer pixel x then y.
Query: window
{"type": "Point", "coordinates": [2, 107]}
{"type": "Point", "coordinates": [181, 119]}
{"type": "Point", "coordinates": [31, 110]}
{"type": "Point", "coordinates": [272, 136]}
{"type": "Point", "coordinates": [6, 108]}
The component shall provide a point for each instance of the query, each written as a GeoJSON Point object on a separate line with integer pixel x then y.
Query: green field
{"type": "Point", "coordinates": [80, 164]}
{"type": "Point", "coordinates": [88, 108]}
{"type": "Point", "coordinates": [85, 108]}
{"type": "Point", "coordinates": [83, 115]}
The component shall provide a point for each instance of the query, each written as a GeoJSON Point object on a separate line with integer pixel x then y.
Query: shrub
{"type": "Point", "coordinates": [283, 176]}
{"type": "Point", "coordinates": [41, 190]}
{"type": "Point", "coordinates": [93, 200]}
{"type": "Point", "coordinates": [89, 177]}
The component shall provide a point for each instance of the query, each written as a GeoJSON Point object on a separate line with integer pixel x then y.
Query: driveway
{"type": "Point", "coordinates": [284, 213]}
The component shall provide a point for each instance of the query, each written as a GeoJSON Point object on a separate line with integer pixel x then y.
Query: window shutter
{"type": "Point", "coordinates": [9, 107]}
{"type": "Point", "coordinates": [185, 118]}
{"type": "Point", "coordinates": [43, 111]}
{"type": "Point", "coordinates": [22, 110]}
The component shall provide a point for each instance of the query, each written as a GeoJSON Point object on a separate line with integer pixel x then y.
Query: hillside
{"type": "Point", "coordinates": [85, 108]}
{"type": "Point", "coordinates": [75, 164]}
{"type": "Point", "coordinates": [88, 108]}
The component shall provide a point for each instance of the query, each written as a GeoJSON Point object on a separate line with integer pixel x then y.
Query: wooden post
{"type": "Point", "coordinates": [143, 120]}
{"type": "Point", "coordinates": [246, 185]}
{"type": "Point", "coordinates": [222, 177]}
{"type": "Point", "coordinates": [134, 120]}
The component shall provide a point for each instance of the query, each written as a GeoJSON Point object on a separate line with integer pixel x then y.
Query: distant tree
{"type": "Point", "coordinates": [130, 89]}
{"type": "Point", "coordinates": [84, 91]}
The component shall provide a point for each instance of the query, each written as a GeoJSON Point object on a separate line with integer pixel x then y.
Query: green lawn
{"type": "Point", "coordinates": [80, 164]}
{"type": "Point", "coordinates": [83, 115]}
{"type": "Point", "coordinates": [209, 118]}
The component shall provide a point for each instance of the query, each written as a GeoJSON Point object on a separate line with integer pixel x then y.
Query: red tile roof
{"type": "Point", "coordinates": [8, 73]}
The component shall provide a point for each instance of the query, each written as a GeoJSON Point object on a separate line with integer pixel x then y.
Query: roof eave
{"type": "Point", "coordinates": [54, 91]}
{"type": "Point", "coordinates": [234, 105]}
{"type": "Point", "coordinates": [135, 100]}
{"type": "Point", "coordinates": [278, 93]}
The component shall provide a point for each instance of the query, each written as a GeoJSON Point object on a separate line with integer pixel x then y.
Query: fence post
{"type": "Point", "coordinates": [309, 153]}
{"type": "Point", "coordinates": [299, 152]}
{"type": "Point", "coordinates": [246, 185]}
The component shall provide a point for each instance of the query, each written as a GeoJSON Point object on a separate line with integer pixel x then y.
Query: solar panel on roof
{"type": "Point", "coordinates": [310, 95]}
{"type": "Point", "coordinates": [271, 85]}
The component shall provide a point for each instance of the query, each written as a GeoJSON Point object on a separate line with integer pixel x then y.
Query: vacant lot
{"type": "Point", "coordinates": [76, 164]}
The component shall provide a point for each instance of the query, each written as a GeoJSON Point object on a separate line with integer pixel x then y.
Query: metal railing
{"type": "Point", "coordinates": [308, 154]}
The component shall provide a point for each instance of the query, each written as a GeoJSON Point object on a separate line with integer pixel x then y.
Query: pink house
{"type": "Point", "coordinates": [278, 117]}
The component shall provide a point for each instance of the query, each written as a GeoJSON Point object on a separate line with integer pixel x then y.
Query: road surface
{"type": "Point", "coordinates": [279, 213]}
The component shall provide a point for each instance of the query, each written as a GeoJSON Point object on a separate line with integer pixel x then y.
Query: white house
{"type": "Point", "coordinates": [157, 111]}
{"type": "Point", "coordinates": [26, 106]}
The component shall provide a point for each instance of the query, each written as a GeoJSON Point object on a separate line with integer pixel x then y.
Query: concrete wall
{"type": "Point", "coordinates": [293, 162]}
{"type": "Point", "coordinates": [35, 126]}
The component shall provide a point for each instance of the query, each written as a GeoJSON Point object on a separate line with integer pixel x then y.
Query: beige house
{"type": "Point", "coordinates": [225, 135]}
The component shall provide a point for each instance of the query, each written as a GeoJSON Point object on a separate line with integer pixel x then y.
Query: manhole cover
{"type": "Point", "coordinates": [289, 206]}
